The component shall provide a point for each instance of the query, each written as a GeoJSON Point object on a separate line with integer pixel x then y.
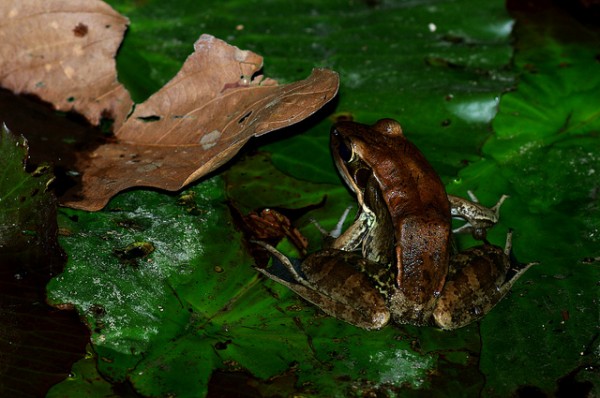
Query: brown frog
{"type": "Point", "coordinates": [396, 259]}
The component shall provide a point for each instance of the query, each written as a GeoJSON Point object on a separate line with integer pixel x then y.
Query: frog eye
{"type": "Point", "coordinates": [344, 151]}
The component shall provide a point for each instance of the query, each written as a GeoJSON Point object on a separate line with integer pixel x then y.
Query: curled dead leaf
{"type": "Point", "coordinates": [196, 122]}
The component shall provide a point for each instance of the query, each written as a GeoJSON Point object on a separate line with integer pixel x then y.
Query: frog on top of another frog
{"type": "Point", "coordinates": [396, 260]}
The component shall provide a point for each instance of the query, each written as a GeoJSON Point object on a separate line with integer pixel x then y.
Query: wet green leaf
{"type": "Point", "coordinates": [135, 305]}
{"type": "Point", "coordinates": [84, 380]}
{"type": "Point", "coordinates": [545, 153]}
{"type": "Point", "coordinates": [170, 317]}
{"type": "Point", "coordinates": [23, 201]}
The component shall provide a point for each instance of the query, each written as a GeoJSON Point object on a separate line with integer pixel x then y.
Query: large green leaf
{"type": "Point", "coordinates": [547, 153]}
{"type": "Point", "coordinates": [167, 286]}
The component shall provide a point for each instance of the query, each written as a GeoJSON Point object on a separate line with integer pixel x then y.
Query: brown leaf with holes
{"type": "Point", "coordinates": [196, 122]}
{"type": "Point", "coordinates": [63, 52]}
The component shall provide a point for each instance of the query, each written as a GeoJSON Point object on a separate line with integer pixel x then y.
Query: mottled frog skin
{"type": "Point", "coordinates": [396, 260]}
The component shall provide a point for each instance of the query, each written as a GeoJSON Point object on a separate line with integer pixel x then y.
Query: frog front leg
{"type": "Point", "coordinates": [333, 281]}
{"type": "Point", "coordinates": [478, 279]}
{"type": "Point", "coordinates": [478, 218]}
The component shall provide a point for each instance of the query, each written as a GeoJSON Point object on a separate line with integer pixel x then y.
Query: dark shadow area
{"type": "Point", "coordinates": [54, 138]}
{"type": "Point", "coordinates": [38, 343]}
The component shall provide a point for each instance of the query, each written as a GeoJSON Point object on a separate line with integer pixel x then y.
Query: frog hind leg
{"type": "Point", "coordinates": [477, 281]}
{"type": "Point", "coordinates": [350, 298]}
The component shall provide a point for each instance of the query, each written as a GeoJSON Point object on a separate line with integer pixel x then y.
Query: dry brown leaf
{"type": "Point", "coordinates": [63, 52]}
{"type": "Point", "coordinates": [196, 122]}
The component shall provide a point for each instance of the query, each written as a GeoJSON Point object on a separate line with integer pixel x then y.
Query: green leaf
{"type": "Point", "coordinates": [130, 301]}
{"type": "Point", "coordinates": [170, 317]}
{"type": "Point", "coordinates": [23, 201]}
{"type": "Point", "coordinates": [225, 320]}
{"type": "Point", "coordinates": [84, 380]}
{"type": "Point", "coordinates": [546, 155]}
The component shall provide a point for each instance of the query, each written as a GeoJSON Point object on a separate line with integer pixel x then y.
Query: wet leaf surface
{"type": "Point", "coordinates": [546, 149]}
{"type": "Point", "coordinates": [194, 305]}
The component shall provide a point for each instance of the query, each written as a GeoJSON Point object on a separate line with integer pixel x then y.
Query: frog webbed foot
{"type": "Point", "coordinates": [478, 217]}
{"type": "Point", "coordinates": [517, 269]}
{"type": "Point", "coordinates": [286, 262]}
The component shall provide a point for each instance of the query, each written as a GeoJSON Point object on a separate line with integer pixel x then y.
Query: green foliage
{"type": "Point", "coordinates": [84, 381]}
{"type": "Point", "coordinates": [546, 154]}
{"type": "Point", "coordinates": [24, 204]}
{"type": "Point", "coordinates": [167, 318]}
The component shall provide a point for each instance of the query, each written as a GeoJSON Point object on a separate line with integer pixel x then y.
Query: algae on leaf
{"type": "Point", "coordinates": [167, 310]}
